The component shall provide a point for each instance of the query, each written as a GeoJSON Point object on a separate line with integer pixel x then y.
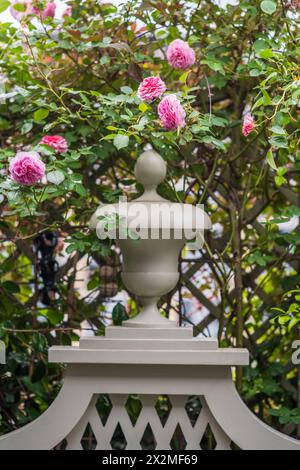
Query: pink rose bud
{"type": "Point", "coordinates": [27, 168]}
{"type": "Point", "coordinates": [248, 124]}
{"type": "Point", "coordinates": [180, 55]}
{"type": "Point", "coordinates": [171, 113]}
{"type": "Point", "coordinates": [48, 12]}
{"type": "Point", "coordinates": [151, 88]}
{"type": "Point", "coordinates": [57, 142]}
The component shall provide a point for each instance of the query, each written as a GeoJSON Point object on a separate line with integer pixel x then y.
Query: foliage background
{"type": "Point", "coordinates": [78, 78]}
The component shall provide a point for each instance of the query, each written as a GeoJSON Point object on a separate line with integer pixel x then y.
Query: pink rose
{"type": "Point", "coordinates": [180, 55]}
{"type": "Point", "coordinates": [68, 12]}
{"type": "Point", "coordinates": [248, 124]}
{"type": "Point", "coordinates": [48, 12]}
{"type": "Point", "coordinates": [55, 141]}
{"type": "Point", "coordinates": [151, 88]}
{"type": "Point", "coordinates": [171, 113]}
{"type": "Point", "coordinates": [27, 168]}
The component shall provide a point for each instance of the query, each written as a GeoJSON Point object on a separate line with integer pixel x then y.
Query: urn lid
{"type": "Point", "coordinates": [150, 210]}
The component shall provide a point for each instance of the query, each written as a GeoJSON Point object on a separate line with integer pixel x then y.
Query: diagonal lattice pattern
{"type": "Point", "coordinates": [177, 431]}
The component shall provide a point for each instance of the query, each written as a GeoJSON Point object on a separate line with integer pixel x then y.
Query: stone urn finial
{"type": "Point", "coordinates": [150, 262]}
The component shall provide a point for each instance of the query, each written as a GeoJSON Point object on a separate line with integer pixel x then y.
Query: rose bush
{"type": "Point", "coordinates": [215, 90]}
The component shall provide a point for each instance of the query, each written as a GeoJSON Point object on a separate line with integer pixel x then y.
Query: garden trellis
{"type": "Point", "coordinates": [78, 77]}
{"type": "Point", "coordinates": [149, 356]}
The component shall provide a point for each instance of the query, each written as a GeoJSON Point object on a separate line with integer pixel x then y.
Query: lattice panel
{"type": "Point", "coordinates": [147, 422]}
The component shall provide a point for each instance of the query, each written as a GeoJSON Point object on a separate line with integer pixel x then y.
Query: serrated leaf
{"type": "Point", "coordinates": [55, 177]}
{"type": "Point", "coordinates": [278, 130]}
{"type": "Point", "coordinates": [126, 90]}
{"type": "Point", "coordinates": [121, 141]}
{"type": "Point", "coordinates": [268, 7]}
{"type": "Point", "coordinates": [40, 114]}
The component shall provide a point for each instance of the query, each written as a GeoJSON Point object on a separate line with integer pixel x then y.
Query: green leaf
{"type": "Point", "coordinates": [27, 126]}
{"type": "Point", "coordinates": [260, 45]}
{"type": "Point", "coordinates": [184, 76]}
{"type": "Point", "coordinates": [40, 114]}
{"type": "Point", "coordinates": [278, 130]}
{"type": "Point", "coordinates": [55, 177]}
{"type": "Point", "coordinates": [143, 107]}
{"type": "Point", "coordinates": [270, 159]}
{"type": "Point", "coordinates": [278, 141]}
{"type": "Point", "coordinates": [4, 4]}
{"type": "Point", "coordinates": [266, 54]}
{"type": "Point", "coordinates": [55, 317]}
{"type": "Point", "coordinates": [80, 189]}
{"type": "Point", "coordinates": [284, 319]}
{"type": "Point", "coordinates": [258, 103]}
{"type": "Point", "coordinates": [280, 180]}
{"type": "Point", "coordinates": [267, 98]}
{"type": "Point", "coordinates": [19, 7]}
{"type": "Point", "coordinates": [119, 314]}
{"type": "Point", "coordinates": [121, 141]}
{"type": "Point", "coordinates": [214, 64]}
{"type": "Point", "coordinates": [126, 90]}
{"type": "Point", "coordinates": [268, 7]}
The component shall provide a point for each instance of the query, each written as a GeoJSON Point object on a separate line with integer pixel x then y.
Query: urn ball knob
{"type": "Point", "coordinates": [150, 169]}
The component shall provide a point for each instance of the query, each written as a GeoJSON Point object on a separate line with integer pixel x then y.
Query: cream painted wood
{"type": "Point", "coordinates": [229, 418]}
{"type": "Point", "coordinates": [133, 432]}
{"type": "Point", "coordinates": [149, 333]}
{"type": "Point", "coordinates": [118, 367]}
{"type": "Point", "coordinates": [75, 355]}
{"type": "Point", "coordinates": [206, 344]}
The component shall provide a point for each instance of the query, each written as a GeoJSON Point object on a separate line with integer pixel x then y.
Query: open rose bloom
{"type": "Point", "coordinates": [151, 88]}
{"type": "Point", "coordinates": [180, 55]}
{"type": "Point", "coordinates": [248, 124]}
{"type": "Point", "coordinates": [171, 113]}
{"type": "Point", "coordinates": [27, 168]}
{"type": "Point", "coordinates": [57, 142]}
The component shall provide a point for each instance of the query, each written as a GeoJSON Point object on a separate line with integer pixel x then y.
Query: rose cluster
{"type": "Point", "coordinates": [27, 168]}
{"type": "Point", "coordinates": [171, 113]}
